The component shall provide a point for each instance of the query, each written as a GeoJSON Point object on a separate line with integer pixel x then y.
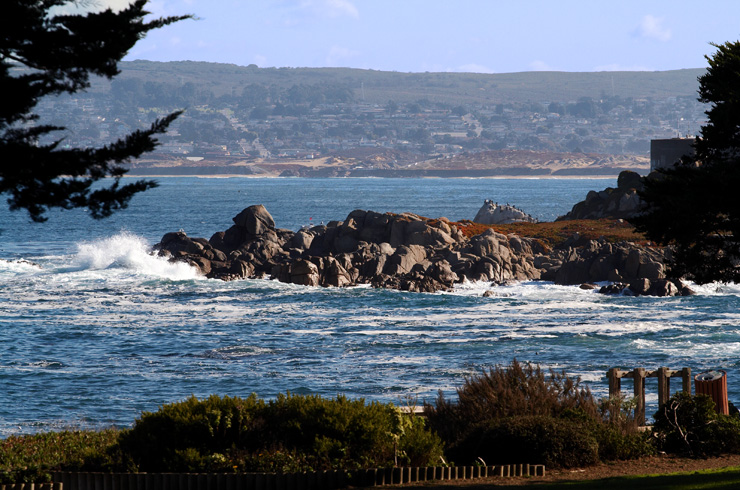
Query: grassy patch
{"type": "Point", "coordinates": [726, 478]}
{"type": "Point", "coordinates": [552, 233]}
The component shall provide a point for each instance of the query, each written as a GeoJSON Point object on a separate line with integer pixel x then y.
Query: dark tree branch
{"type": "Point", "coordinates": [41, 55]}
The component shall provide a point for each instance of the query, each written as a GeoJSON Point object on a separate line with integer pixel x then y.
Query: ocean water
{"type": "Point", "coordinates": [94, 330]}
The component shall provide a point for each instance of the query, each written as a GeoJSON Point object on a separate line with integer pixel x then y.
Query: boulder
{"type": "Point", "coordinates": [201, 263]}
{"type": "Point", "coordinates": [241, 269]}
{"type": "Point", "coordinates": [301, 240]}
{"type": "Point", "coordinates": [620, 202]}
{"type": "Point", "coordinates": [179, 242]}
{"type": "Point", "coordinates": [404, 259]}
{"type": "Point", "coordinates": [304, 272]}
{"type": "Point", "coordinates": [255, 220]}
{"type": "Point", "coordinates": [335, 274]}
{"type": "Point", "coordinates": [663, 287]}
{"type": "Point", "coordinates": [493, 213]}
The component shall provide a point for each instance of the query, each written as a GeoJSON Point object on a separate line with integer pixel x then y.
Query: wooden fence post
{"type": "Point", "coordinates": [639, 380]}
{"type": "Point", "coordinates": [615, 384]}
{"type": "Point", "coordinates": [664, 386]}
{"type": "Point", "coordinates": [686, 379]}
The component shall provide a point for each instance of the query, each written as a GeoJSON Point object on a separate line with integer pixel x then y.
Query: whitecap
{"type": "Point", "coordinates": [236, 352]}
{"type": "Point", "coordinates": [21, 265]}
{"type": "Point", "coordinates": [132, 253]}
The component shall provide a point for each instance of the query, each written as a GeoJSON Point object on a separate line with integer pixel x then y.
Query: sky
{"type": "Point", "coordinates": [482, 36]}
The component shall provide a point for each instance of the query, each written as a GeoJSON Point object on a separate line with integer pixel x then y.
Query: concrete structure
{"type": "Point", "coordinates": [665, 153]}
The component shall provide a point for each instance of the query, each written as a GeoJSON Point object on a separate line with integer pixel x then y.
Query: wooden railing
{"type": "Point", "coordinates": [638, 375]}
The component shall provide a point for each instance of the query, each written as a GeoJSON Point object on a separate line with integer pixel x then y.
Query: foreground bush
{"type": "Point", "coordinates": [512, 391]}
{"type": "Point", "coordinates": [191, 435]}
{"type": "Point", "coordinates": [518, 414]}
{"type": "Point", "coordinates": [33, 458]}
{"type": "Point", "coordinates": [290, 433]}
{"type": "Point", "coordinates": [690, 425]}
{"type": "Point", "coordinates": [535, 439]}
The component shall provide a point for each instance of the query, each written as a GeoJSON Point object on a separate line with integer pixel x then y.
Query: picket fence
{"type": "Point", "coordinates": [322, 480]}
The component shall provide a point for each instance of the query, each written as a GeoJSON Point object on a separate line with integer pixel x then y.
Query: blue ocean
{"type": "Point", "coordinates": [94, 330]}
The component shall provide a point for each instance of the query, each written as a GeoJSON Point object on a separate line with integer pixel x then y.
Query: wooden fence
{"type": "Point", "coordinates": [638, 375]}
{"type": "Point", "coordinates": [31, 486]}
{"type": "Point", "coordinates": [323, 480]}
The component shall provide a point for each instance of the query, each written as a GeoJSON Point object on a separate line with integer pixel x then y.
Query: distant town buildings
{"type": "Point", "coordinates": [226, 129]}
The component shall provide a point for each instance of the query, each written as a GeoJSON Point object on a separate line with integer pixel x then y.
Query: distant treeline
{"type": "Point", "coordinates": [135, 92]}
{"type": "Point", "coordinates": [304, 85]}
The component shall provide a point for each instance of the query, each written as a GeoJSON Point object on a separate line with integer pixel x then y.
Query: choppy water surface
{"type": "Point", "coordinates": [93, 329]}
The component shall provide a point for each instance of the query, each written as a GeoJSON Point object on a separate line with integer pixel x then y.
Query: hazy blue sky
{"type": "Point", "coordinates": [487, 36]}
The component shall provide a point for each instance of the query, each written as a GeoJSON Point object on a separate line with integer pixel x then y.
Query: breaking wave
{"type": "Point", "coordinates": [132, 253]}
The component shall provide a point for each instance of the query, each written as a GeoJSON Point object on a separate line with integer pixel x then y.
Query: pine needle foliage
{"type": "Point", "coordinates": [693, 205]}
{"type": "Point", "coordinates": [45, 53]}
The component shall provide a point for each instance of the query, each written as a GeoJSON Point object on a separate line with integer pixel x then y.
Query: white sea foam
{"type": "Point", "coordinates": [129, 252]}
{"type": "Point", "coordinates": [236, 352]}
{"type": "Point", "coordinates": [546, 290]}
{"type": "Point", "coordinates": [18, 266]}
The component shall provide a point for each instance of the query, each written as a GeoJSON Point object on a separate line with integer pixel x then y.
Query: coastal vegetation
{"type": "Point", "coordinates": [552, 233]}
{"type": "Point", "coordinates": [291, 433]}
{"type": "Point", "coordinates": [508, 414]}
{"type": "Point", "coordinates": [520, 412]}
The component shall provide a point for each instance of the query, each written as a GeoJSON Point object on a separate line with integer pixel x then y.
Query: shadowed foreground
{"type": "Point", "coordinates": [646, 473]}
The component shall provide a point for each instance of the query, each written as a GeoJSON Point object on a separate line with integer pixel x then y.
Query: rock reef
{"type": "Point", "coordinates": [408, 252]}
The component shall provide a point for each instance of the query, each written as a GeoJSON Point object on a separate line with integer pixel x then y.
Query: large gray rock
{"type": "Point", "coordinates": [599, 261]}
{"type": "Point", "coordinates": [621, 202]}
{"type": "Point", "coordinates": [255, 220]}
{"type": "Point", "coordinates": [493, 213]}
{"type": "Point", "coordinates": [336, 274]}
{"type": "Point", "coordinates": [405, 258]}
{"type": "Point", "coordinates": [305, 273]}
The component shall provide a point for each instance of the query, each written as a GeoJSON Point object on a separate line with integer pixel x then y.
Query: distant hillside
{"type": "Point", "coordinates": [451, 88]}
{"type": "Point", "coordinates": [366, 162]}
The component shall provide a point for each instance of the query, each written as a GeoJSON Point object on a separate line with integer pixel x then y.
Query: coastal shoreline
{"type": "Point", "coordinates": [493, 177]}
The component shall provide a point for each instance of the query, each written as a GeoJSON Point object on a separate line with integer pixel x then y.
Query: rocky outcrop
{"type": "Point", "coordinates": [493, 213]}
{"type": "Point", "coordinates": [622, 202]}
{"type": "Point", "coordinates": [599, 261]}
{"type": "Point", "coordinates": [406, 252]}
{"type": "Point", "coordinates": [401, 251]}
{"type": "Point", "coordinates": [646, 287]}
{"type": "Point", "coordinates": [630, 268]}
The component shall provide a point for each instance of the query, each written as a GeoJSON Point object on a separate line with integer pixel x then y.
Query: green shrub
{"type": "Point", "coordinates": [690, 425]}
{"type": "Point", "coordinates": [615, 431]}
{"type": "Point", "coordinates": [534, 439]}
{"type": "Point", "coordinates": [290, 433]}
{"type": "Point", "coordinates": [32, 458]}
{"type": "Point", "coordinates": [180, 436]}
{"type": "Point", "coordinates": [515, 390]}
{"type": "Point", "coordinates": [418, 445]}
{"type": "Point", "coordinates": [333, 433]}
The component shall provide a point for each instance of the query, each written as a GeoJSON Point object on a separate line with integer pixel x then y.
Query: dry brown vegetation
{"type": "Point", "coordinates": [552, 233]}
